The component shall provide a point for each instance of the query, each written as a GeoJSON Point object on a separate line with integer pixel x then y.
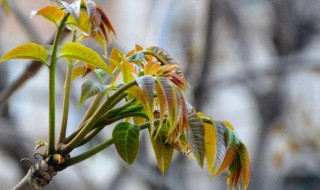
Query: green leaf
{"type": "Point", "coordinates": [89, 89]}
{"type": "Point", "coordinates": [27, 51]}
{"type": "Point", "coordinates": [196, 138]}
{"type": "Point", "coordinates": [163, 153]}
{"type": "Point", "coordinates": [51, 13]}
{"type": "Point", "coordinates": [73, 50]}
{"type": "Point", "coordinates": [126, 140]}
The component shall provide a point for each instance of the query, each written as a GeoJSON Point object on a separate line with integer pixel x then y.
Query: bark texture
{"type": "Point", "coordinates": [38, 176]}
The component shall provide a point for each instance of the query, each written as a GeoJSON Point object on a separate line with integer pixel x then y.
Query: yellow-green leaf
{"type": "Point", "coordinates": [77, 51]}
{"type": "Point", "coordinates": [27, 51]}
{"type": "Point", "coordinates": [51, 13]}
{"type": "Point", "coordinates": [210, 140]}
{"type": "Point", "coordinates": [228, 125]}
{"type": "Point", "coordinates": [163, 153]}
{"type": "Point", "coordinates": [83, 23]}
{"type": "Point", "coordinates": [127, 70]}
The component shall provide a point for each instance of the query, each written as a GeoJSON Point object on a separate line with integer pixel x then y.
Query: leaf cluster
{"type": "Point", "coordinates": [143, 89]}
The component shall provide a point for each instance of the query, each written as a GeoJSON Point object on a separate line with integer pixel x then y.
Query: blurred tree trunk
{"type": "Point", "coordinates": [200, 93]}
{"type": "Point", "coordinates": [290, 32]}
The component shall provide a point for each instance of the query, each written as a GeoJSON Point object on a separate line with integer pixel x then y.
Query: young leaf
{"type": "Point", "coordinates": [73, 8]}
{"type": "Point", "coordinates": [196, 138]}
{"type": "Point", "coordinates": [169, 91]}
{"type": "Point", "coordinates": [127, 70]}
{"type": "Point", "coordinates": [245, 165]}
{"type": "Point", "coordinates": [83, 23]}
{"type": "Point", "coordinates": [163, 153]}
{"type": "Point", "coordinates": [234, 173]}
{"type": "Point", "coordinates": [77, 72]}
{"type": "Point", "coordinates": [232, 142]}
{"type": "Point", "coordinates": [51, 13]}
{"type": "Point", "coordinates": [167, 59]}
{"type": "Point", "coordinates": [73, 50]}
{"type": "Point", "coordinates": [210, 140]}
{"type": "Point", "coordinates": [126, 140]}
{"type": "Point", "coordinates": [221, 147]}
{"type": "Point", "coordinates": [147, 84]}
{"type": "Point", "coordinates": [115, 59]}
{"type": "Point", "coordinates": [163, 108]}
{"type": "Point", "coordinates": [27, 51]}
{"type": "Point", "coordinates": [89, 89]}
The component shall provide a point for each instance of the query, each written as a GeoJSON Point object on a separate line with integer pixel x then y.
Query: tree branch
{"type": "Point", "coordinates": [39, 175]}
{"type": "Point", "coordinates": [24, 184]}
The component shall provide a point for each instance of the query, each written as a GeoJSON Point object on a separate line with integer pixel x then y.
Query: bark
{"type": "Point", "coordinates": [39, 175]}
{"type": "Point", "coordinates": [24, 184]}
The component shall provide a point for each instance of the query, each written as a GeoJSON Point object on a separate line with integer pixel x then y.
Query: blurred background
{"type": "Point", "coordinates": [255, 63]}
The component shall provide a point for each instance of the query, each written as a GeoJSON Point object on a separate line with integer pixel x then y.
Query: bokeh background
{"type": "Point", "coordinates": [255, 63]}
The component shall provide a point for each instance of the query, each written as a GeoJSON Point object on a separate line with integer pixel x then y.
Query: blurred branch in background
{"type": "Point", "coordinates": [33, 66]}
{"type": "Point", "coordinates": [208, 55]}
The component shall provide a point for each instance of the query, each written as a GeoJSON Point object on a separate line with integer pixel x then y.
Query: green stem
{"type": "Point", "coordinates": [95, 103]}
{"type": "Point", "coordinates": [103, 123]}
{"type": "Point", "coordinates": [52, 78]}
{"type": "Point", "coordinates": [88, 154]}
{"type": "Point", "coordinates": [65, 149]}
{"type": "Point", "coordinates": [66, 103]}
{"type": "Point", "coordinates": [106, 115]}
{"type": "Point", "coordinates": [98, 148]}
{"type": "Point", "coordinates": [92, 108]}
